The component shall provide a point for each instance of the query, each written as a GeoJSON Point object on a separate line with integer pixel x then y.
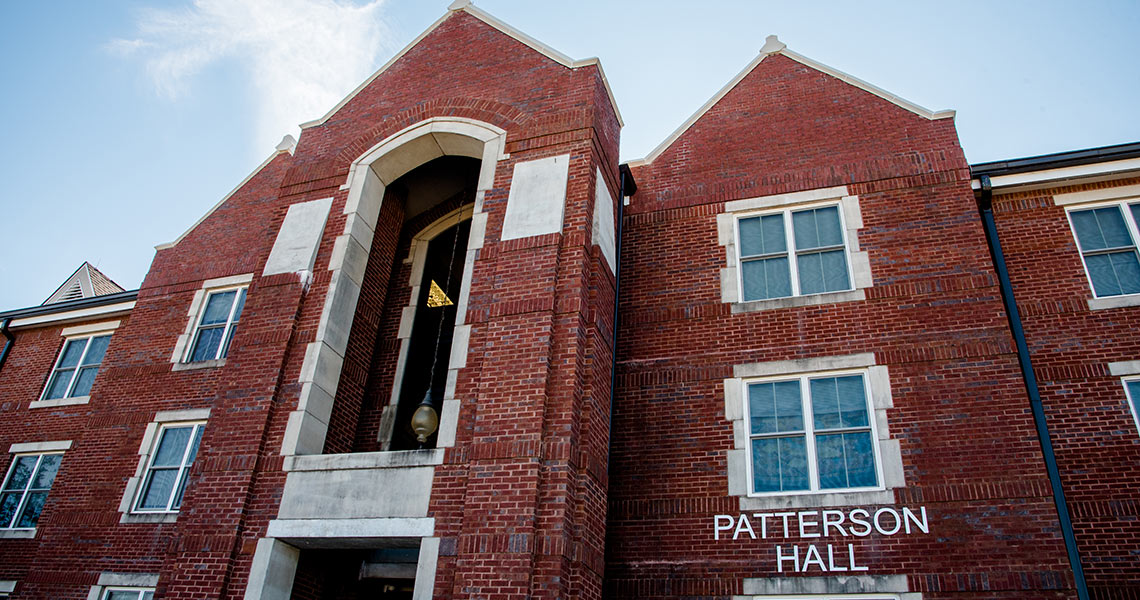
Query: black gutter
{"type": "Point", "coordinates": [58, 307]}
{"type": "Point", "coordinates": [1058, 160]}
{"type": "Point", "coordinates": [626, 186]}
{"type": "Point", "coordinates": [9, 340]}
{"type": "Point", "coordinates": [985, 207]}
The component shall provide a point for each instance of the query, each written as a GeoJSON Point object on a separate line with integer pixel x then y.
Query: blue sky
{"type": "Point", "coordinates": [126, 120]}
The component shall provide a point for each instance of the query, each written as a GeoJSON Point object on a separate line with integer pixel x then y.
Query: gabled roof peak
{"type": "Point", "coordinates": [773, 45]}
{"type": "Point", "coordinates": [85, 282]}
{"type": "Point", "coordinates": [468, 7]}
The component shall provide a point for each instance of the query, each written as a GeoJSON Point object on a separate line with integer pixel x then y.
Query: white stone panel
{"type": "Point", "coordinates": [537, 200]}
{"type": "Point", "coordinates": [357, 493]}
{"type": "Point", "coordinates": [603, 230]}
{"type": "Point", "coordinates": [296, 246]}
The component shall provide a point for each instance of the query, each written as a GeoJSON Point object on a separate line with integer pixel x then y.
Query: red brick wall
{"type": "Point", "coordinates": [546, 455]}
{"type": "Point", "coordinates": [933, 317]}
{"type": "Point", "coordinates": [1093, 432]}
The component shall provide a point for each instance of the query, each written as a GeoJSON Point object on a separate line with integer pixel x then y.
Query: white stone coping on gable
{"type": "Point", "coordinates": [39, 447]}
{"type": "Point", "coordinates": [890, 451]}
{"type": "Point", "coordinates": [772, 46]}
{"type": "Point", "coordinates": [193, 313]}
{"type": "Point", "coordinates": [830, 587]}
{"type": "Point", "coordinates": [486, 17]}
{"type": "Point", "coordinates": [281, 148]}
{"type": "Point", "coordinates": [852, 217]}
{"type": "Point", "coordinates": [146, 446]}
{"type": "Point", "coordinates": [368, 175]}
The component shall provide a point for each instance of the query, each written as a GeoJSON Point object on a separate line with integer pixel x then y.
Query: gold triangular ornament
{"type": "Point", "coordinates": [436, 297]}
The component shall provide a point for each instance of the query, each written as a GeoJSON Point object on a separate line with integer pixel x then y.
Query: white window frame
{"type": "Point", "coordinates": [184, 346]}
{"type": "Point", "coordinates": [183, 467]}
{"type": "Point", "coordinates": [89, 331]}
{"type": "Point", "coordinates": [809, 433]}
{"type": "Point", "coordinates": [227, 329]}
{"type": "Point", "coordinates": [79, 366]}
{"type": "Point", "coordinates": [40, 454]}
{"type": "Point", "coordinates": [106, 595]}
{"type": "Point", "coordinates": [790, 251]}
{"type": "Point", "coordinates": [147, 446]}
{"type": "Point", "coordinates": [1133, 401]}
{"type": "Point", "coordinates": [1121, 204]}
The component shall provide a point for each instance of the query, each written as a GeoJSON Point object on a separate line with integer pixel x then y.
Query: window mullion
{"type": "Point", "coordinates": [809, 432]}
{"type": "Point", "coordinates": [790, 252]}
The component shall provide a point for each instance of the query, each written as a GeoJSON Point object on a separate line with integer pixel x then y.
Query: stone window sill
{"type": "Point", "coordinates": [17, 534]}
{"type": "Point", "coordinates": [149, 518]}
{"type": "Point", "coordinates": [202, 364]}
{"type": "Point", "coordinates": [1114, 302]}
{"type": "Point", "coordinates": [60, 402]}
{"type": "Point", "coordinates": [792, 301]}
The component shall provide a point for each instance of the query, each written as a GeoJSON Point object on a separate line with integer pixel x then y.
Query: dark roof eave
{"type": "Point", "coordinates": [1058, 160]}
{"type": "Point", "coordinates": [60, 307]}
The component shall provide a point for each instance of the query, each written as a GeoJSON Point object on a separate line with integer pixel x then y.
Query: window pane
{"type": "Point", "coordinates": [762, 235]}
{"type": "Point", "coordinates": [822, 272]}
{"type": "Point", "coordinates": [817, 228]}
{"type": "Point", "coordinates": [21, 473]}
{"type": "Point", "coordinates": [194, 446]}
{"type": "Point", "coordinates": [1127, 271]}
{"type": "Point", "coordinates": [172, 446]}
{"type": "Point", "coordinates": [9, 501]}
{"type": "Point", "coordinates": [160, 484]}
{"type": "Point", "coordinates": [71, 353]}
{"type": "Point", "coordinates": [779, 464]}
{"type": "Point", "coordinates": [123, 595]}
{"type": "Point", "coordinates": [206, 346]}
{"type": "Point", "coordinates": [180, 491]}
{"type": "Point", "coordinates": [775, 407]}
{"type": "Point", "coordinates": [846, 460]}
{"type": "Point", "coordinates": [32, 507]}
{"type": "Point", "coordinates": [1135, 208]}
{"type": "Point", "coordinates": [49, 466]}
{"type": "Point", "coordinates": [768, 278]}
{"type": "Point", "coordinates": [84, 382]}
{"type": "Point", "coordinates": [57, 388]}
{"type": "Point", "coordinates": [96, 350]}
{"type": "Point", "coordinates": [1100, 228]}
{"type": "Point", "coordinates": [852, 401]}
{"type": "Point", "coordinates": [218, 308]}
{"type": "Point", "coordinates": [1114, 273]}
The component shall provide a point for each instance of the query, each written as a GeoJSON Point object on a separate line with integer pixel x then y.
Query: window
{"type": "Point", "coordinates": [792, 253]}
{"type": "Point", "coordinates": [1107, 236]}
{"type": "Point", "coordinates": [75, 371]}
{"type": "Point", "coordinates": [118, 593]}
{"type": "Point", "coordinates": [1132, 389]}
{"type": "Point", "coordinates": [811, 433]}
{"type": "Point", "coordinates": [164, 480]}
{"type": "Point", "coordinates": [215, 327]}
{"type": "Point", "coordinates": [26, 488]}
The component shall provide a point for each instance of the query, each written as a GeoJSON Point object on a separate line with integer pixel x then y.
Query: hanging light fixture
{"type": "Point", "coordinates": [425, 421]}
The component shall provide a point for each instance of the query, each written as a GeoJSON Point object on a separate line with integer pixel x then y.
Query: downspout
{"type": "Point", "coordinates": [985, 207]}
{"type": "Point", "coordinates": [9, 339]}
{"type": "Point", "coordinates": [626, 184]}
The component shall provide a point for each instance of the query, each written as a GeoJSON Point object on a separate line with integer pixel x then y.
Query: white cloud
{"type": "Point", "coordinates": [301, 56]}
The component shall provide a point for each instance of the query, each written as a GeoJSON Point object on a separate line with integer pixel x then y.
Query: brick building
{"type": "Point", "coordinates": [384, 367]}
